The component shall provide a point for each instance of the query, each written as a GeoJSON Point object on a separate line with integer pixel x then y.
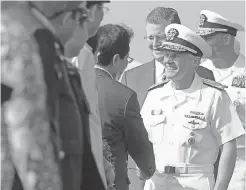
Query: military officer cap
{"type": "Point", "coordinates": [211, 22]}
{"type": "Point", "coordinates": [182, 39]}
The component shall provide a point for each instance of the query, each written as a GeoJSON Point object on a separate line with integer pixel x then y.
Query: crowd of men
{"type": "Point", "coordinates": [71, 114]}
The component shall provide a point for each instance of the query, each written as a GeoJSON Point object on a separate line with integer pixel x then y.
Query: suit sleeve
{"type": "Point", "coordinates": [138, 144]}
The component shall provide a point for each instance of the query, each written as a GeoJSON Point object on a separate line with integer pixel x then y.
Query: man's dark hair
{"type": "Point", "coordinates": [113, 39]}
{"type": "Point", "coordinates": [160, 13]}
{"type": "Point", "coordinates": [89, 4]}
{"type": "Point", "coordinates": [92, 42]}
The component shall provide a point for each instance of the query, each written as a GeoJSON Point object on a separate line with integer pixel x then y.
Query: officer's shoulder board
{"type": "Point", "coordinates": [158, 85]}
{"type": "Point", "coordinates": [214, 84]}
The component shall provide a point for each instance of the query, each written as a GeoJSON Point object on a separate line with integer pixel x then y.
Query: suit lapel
{"type": "Point", "coordinates": [140, 79]}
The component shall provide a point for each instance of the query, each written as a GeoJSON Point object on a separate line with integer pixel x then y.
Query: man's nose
{"type": "Point", "coordinates": [156, 42]}
{"type": "Point", "coordinates": [167, 60]}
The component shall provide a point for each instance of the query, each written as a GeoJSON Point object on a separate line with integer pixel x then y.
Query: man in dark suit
{"type": "Point", "coordinates": [123, 126]}
{"type": "Point", "coordinates": [142, 77]}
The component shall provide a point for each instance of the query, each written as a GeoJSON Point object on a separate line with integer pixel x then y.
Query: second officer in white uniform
{"type": "Point", "coordinates": [189, 119]}
{"type": "Point", "coordinates": [229, 69]}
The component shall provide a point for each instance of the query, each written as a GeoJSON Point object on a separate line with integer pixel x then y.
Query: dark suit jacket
{"type": "Point", "coordinates": [142, 77]}
{"type": "Point", "coordinates": [123, 128]}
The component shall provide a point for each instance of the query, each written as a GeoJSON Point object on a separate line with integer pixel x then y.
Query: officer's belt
{"type": "Point", "coordinates": [187, 169]}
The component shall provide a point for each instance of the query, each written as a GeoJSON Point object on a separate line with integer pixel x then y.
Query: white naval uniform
{"type": "Point", "coordinates": [237, 92]}
{"type": "Point", "coordinates": [187, 127]}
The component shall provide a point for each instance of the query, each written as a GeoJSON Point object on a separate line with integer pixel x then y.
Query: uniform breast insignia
{"type": "Point", "coordinates": [158, 85]}
{"type": "Point", "coordinates": [195, 117]}
{"type": "Point", "coordinates": [239, 81]}
{"type": "Point", "coordinates": [193, 122]}
{"type": "Point", "coordinates": [157, 112]}
{"type": "Point", "coordinates": [196, 113]}
{"type": "Point", "coordinates": [191, 141]}
{"type": "Point", "coordinates": [214, 84]}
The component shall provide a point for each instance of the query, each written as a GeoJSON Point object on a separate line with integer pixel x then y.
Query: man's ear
{"type": "Point", "coordinates": [115, 59]}
{"type": "Point", "coordinates": [197, 61]}
{"type": "Point", "coordinates": [227, 39]}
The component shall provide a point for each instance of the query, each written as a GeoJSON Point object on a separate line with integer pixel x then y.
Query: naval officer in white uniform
{"type": "Point", "coordinates": [189, 119]}
{"type": "Point", "coordinates": [228, 66]}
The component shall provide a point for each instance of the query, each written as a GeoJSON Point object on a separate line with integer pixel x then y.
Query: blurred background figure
{"type": "Point", "coordinates": [41, 104]}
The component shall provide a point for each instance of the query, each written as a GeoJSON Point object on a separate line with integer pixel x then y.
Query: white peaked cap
{"type": "Point", "coordinates": [180, 38]}
{"type": "Point", "coordinates": [211, 22]}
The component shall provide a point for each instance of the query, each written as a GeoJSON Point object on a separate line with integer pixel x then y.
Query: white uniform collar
{"type": "Point", "coordinates": [102, 69]}
{"type": "Point", "coordinates": [194, 91]}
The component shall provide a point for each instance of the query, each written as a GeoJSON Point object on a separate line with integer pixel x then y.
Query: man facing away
{"type": "Point", "coordinates": [142, 77]}
{"type": "Point", "coordinates": [190, 118]}
{"type": "Point", "coordinates": [228, 66]}
{"type": "Point", "coordinates": [122, 124]}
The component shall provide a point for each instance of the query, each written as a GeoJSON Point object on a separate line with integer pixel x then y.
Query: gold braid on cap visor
{"type": "Point", "coordinates": [207, 31]}
{"type": "Point", "coordinates": [176, 47]}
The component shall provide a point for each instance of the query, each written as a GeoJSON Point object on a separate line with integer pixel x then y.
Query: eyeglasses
{"type": "Point", "coordinates": [158, 36]}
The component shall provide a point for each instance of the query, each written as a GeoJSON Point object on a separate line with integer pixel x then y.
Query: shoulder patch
{"type": "Point", "coordinates": [158, 85]}
{"type": "Point", "coordinates": [214, 84]}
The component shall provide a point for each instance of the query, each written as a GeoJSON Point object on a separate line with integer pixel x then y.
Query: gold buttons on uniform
{"type": "Point", "coordinates": [236, 103]}
{"type": "Point", "coordinates": [192, 134]}
{"type": "Point", "coordinates": [191, 141]}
